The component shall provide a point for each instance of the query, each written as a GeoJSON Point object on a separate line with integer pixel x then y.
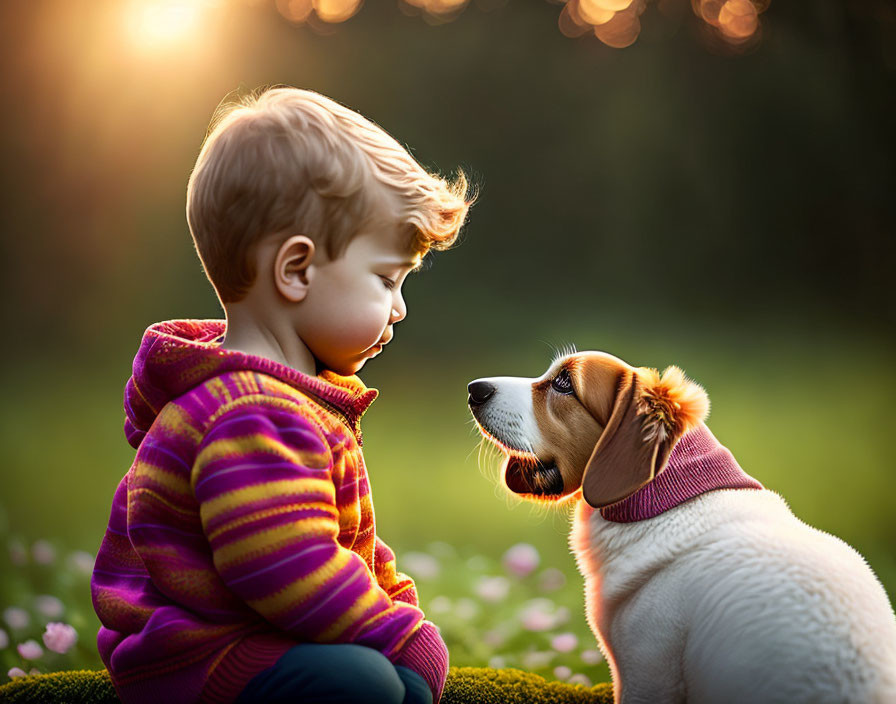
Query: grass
{"type": "Point", "coordinates": [806, 414]}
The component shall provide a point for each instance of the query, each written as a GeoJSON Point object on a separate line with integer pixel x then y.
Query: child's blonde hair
{"type": "Point", "coordinates": [284, 160]}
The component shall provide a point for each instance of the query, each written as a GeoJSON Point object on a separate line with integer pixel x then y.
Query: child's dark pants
{"type": "Point", "coordinates": [335, 674]}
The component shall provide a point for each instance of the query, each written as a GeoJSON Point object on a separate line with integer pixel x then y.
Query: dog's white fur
{"type": "Point", "coordinates": [726, 598]}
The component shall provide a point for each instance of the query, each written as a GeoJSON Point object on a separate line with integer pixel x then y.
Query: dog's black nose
{"type": "Point", "coordinates": [480, 392]}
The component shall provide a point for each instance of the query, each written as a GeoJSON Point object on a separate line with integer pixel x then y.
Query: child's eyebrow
{"type": "Point", "coordinates": [412, 265]}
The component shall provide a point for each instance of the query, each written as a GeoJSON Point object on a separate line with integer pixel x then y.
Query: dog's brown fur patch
{"type": "Point", "coordinates": [671, 404]}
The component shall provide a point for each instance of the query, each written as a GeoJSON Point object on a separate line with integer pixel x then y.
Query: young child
{"type": "Point", "coordinates": [241, 561]}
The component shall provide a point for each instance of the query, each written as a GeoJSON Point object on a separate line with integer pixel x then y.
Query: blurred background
{"type": "Point", "coordinates": [708, 184]}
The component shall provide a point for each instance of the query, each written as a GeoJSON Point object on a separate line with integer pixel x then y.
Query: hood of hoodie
{"type": "Point", "coordinates": [178, 355]}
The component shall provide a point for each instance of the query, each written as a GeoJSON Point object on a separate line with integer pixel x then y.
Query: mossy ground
{"type": "Point", "coordinates": [465, 685]}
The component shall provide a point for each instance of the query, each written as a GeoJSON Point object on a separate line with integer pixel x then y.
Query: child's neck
{"type": "Point", "coordinates": [246, 333]}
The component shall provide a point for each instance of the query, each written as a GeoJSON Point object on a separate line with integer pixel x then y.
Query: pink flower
{"type": "Point", "coordinates": [565, 642]}
{"type": "Point", "coordinates": [16, 617]}
{"type": "Point", "coordinates": [591, 657]}
{"type": "Point", "coordinates": [494, 638]}
{"type": "Point", "coordinates": [493, 589]}
{"type": "Point", "coordinates": [4, 639]}
{"type": "Point", "coordinates": [60, 637]}
{"type": "Point", "coordinates": [81, 561]}
{"type": "Point", "coordinates": [534, 659]}
{"type": "Point", "coordinates": [562, 672]}
{"type": "Point", "coordinates": [551, 580]}
{"type": "Point", "coordinates": [16, 672]}
{"type": "Point", "coordinates": [420, 565]}
{"type": "Point", "coordinates": [18, 553]}
{"type": "Point", "coordinates": [43, 552]}
{"type": "Point", "coordinates": [30, 650]}
{"type": "Point", "coordinates": [48, 606]}
{"type": "Point", "coordinates": [534, 620]}
{"type": "Point", "coordinates": [521, 560]}
{"type": "Point", "coordinates": [579, 678]}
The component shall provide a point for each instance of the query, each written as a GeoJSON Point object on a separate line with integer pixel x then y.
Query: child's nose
{"type": "Point", "coordinates": [399, 309]}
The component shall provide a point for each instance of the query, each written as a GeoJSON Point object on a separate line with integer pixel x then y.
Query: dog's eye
{"type": "Point", "coordinates": [561, 383]}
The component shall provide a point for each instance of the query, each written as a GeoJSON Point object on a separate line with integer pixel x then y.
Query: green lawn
{"type": "Point", "coordinates": [810, 418]}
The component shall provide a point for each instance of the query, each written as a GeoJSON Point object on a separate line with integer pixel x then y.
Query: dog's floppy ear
{"type": "Point", "coordinates": [649, 415]}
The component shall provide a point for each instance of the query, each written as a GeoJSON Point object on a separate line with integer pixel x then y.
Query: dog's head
{"type": "Point", "coordinates": [591, 422]}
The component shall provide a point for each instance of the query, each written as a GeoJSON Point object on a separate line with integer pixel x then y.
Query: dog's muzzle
{"type": "Point", "coordinates": [523, 474]}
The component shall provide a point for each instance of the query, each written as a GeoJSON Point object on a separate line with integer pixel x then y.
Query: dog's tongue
{"type": "Point", "coordinates": [514, 476]}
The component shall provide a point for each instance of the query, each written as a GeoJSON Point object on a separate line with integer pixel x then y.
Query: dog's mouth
{"type": "Point", "coordinates": [529, 475]}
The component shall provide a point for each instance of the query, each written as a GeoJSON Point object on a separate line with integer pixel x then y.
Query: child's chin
{"type": "Point", "coordinates": [347, 368]}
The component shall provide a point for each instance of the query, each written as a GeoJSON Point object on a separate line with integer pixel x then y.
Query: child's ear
{"type": "Point", "coordinates": [291, 267]}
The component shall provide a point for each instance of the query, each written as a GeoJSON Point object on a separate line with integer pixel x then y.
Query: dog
{"type": "Point", "coordinates": [701, 586]}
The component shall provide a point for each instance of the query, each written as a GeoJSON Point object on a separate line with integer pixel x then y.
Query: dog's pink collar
{"type": "Point", "coordinates": [698, 463]}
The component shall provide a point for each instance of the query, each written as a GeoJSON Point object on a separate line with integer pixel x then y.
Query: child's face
{"type": "Point", "coordinates": [353, 301]}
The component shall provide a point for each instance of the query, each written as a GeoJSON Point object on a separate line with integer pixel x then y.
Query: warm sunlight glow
{"type": "Point", "coordinates": [156, 23]}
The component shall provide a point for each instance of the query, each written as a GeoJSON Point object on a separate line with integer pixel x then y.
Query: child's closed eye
{"type": "Point", "coordinates": [387, 282]}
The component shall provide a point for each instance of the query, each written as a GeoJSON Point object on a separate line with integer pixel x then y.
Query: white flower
{"type": "Point", "coordinates": [562, 672]}
{"type": "Point", "coordinates": [60, 637]}
{"type": "Point", "coordinates": [493, 589]}
{"type": "Point", "coordinates": [420, 565]}
{"type": "Point", "coordinates": [16, 672]}
{"type": "Point", "coordinates": [521, 560]}
{"type": "Point", "coordinates": [497, 662]}
{"type": "Point", "coordinates": [16, 617]}
{"type": "Point", "coordinates": [4, 639]}
{"type": "Point", "coordinates": [591, 657]}
{"type": "Point", "coordinates": [579, 678]}
{"type": "Point", "coordinates": [49, 606]}
{"type": "Point", "coordinates": [43, 552]}
{"type": "Point", "coordinates": [30, 650]}
{"type": "Point", "coordinates": [564, 642]}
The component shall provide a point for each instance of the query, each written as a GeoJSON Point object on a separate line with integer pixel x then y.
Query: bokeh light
{"type": "Point", "coordinates": [329, 11]}
{"type": "Point", "coordinates": [441, 10]}
{"type": "Point", "coordinates": [296, 11]}
{"type": "Point", "coordinates": [159, 23]}
{"type": "Point", "coordinates": [617, 23]}
{"type": "Point", "coordinates": [735, 21]}
{"type": "Point", "coordinates": [738, 19]}
{"type": "Point", "coordinates": [595, 11]}
{"type": "Point", "coordinates": [336, 10]}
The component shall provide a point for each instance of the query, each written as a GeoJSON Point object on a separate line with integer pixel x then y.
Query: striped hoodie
{"type": "Point", "coordinates": [244, 525]}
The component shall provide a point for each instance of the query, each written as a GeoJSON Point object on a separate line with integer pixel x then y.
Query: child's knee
{"type": "Point", "coordinates": [343, 674]}
{"type": "Point", "coordinates": [369, 677]}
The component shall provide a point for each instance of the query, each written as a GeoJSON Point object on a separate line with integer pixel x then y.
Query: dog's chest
{"type": "Point", "coordinates": [618, 560]}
